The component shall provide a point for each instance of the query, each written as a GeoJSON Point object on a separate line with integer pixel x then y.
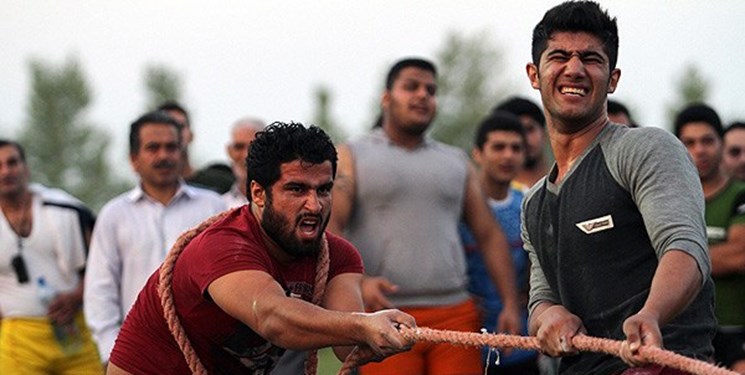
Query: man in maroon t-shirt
{"type": "Point", "coordinates": [242, 287]}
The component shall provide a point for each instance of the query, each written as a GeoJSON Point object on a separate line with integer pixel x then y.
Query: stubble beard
{"type": "Point", "coordinates": [281, 232]}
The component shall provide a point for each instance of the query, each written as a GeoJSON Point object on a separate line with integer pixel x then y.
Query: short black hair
{"type": "Point", "coordinates": [519, 106]}
{"type": "Point", "coordinates": [154, 117]}
{"type": "Point", "coordinates": [698, 112]}
{"type": "Point", "coordinates": [172, 105]}
{"type": "Point", "coordinates": [281, 143]}
{"type": "Point", "coordinates": [406, 63]}
{"type": "Point", "coordinates": [734, 126]}
{"type": "Point", "coordinates": [577, 16]}
{"type": "Point", "coordinates": [498, 121]}
{"type": "Point", "coordinates": [16, 145]}
{"type": "Point", "coordinates": [614, 106]}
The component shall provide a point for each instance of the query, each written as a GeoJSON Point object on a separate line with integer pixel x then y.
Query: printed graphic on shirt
{"type": "Point", "coordinates": [259, 359]}
{"type": "Point", "coordinates": [596, 225]}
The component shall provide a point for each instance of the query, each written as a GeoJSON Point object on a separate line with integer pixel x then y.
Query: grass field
{"type": "Point", "coordinates": [328, 364]}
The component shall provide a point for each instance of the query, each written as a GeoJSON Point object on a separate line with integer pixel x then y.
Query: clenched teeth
{"type": "Point", "coordinates": [574, 91]}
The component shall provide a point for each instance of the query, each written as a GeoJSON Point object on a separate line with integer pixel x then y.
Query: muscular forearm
{"type": "Point", "coordinates": [290, 327]}
{"type": "Point", "coordinates": [676, 283]}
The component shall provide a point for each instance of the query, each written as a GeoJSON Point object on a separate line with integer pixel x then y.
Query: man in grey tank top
{"type": "Point", "coordinates": [399, 196]}
{"type": "Point", "coordinates": [615, 232]}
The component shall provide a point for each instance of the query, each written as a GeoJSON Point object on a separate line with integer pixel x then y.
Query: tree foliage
{"type": "Point", "coordinates": [470, 84]}
{"type": "Point", "coordinates": [161, 84]}
{"type": "Point", "coordinates": [691, 87]}
{"type": "Point", "coordinates": [323, 117]}
{"type": "Point", "coordinates": [62, 149]}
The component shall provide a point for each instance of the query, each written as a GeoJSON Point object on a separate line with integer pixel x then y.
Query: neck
{"type": "Point", "coordinates": [17, 211]}
{"type": "Point", "coordinates": [162, 194]}
{"type": "Point", "coordinates": [714, 184]}
{"type": "Point", "coordinates": [568, 146]}
{"type": "Point", "coordinates": [407, 140]}
{"type": "Point", "coordinates": [15, 201]}
{"type": "Point", "coordinates": [496, 190]}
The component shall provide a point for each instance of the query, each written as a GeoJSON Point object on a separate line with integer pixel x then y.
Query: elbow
{"type": "Point", "coordinates": [271, 330]}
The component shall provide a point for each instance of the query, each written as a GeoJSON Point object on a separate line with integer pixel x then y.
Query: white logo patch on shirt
{"type": "Point", "coordinates": [596, 225]}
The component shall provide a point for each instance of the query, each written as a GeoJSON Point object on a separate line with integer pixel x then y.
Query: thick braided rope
{"type": "Point", "coordinates": [319, 287]}
{"type": "Point", "coordinates": [169, 309]}
{"type": "Point", "coordinates": [581, 342]}
{"type": "Point", "coordinates": [166, 293]}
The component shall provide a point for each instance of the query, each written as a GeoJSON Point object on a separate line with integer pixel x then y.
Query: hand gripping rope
{"type": "Point", "coordinates": [421, 334]}
{"type": "Point", "coordinates": [581, 342]}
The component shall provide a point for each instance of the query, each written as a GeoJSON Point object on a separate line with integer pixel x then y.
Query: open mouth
{"type": "Point", "coordinates": [310, 225]}
{"type": "Point", "coordinates": [574, 91]}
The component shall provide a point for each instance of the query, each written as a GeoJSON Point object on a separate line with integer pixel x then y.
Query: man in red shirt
{"type": "Point", "coordinates": [242, 287]}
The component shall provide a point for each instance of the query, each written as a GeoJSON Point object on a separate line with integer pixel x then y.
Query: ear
{"type": "Point", "coordinates": [385, 99]}
{"type": "Point", "coordinates": [532, 71]}
{"type": "Point", "coordinates": [476, 155]}
{"type": "Point", "coordinates": [615, 76]}
{"type": "Point", "coordinates": [258, 194]}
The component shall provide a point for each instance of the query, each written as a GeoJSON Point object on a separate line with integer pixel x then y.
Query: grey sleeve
{"type": "Point", "coordinates": [540, 291]}
{"type": "Point", "coordinates": [660, 176]}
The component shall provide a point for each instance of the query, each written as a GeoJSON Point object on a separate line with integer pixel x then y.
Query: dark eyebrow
{"type": "Point", "coordinates": [582, 54]}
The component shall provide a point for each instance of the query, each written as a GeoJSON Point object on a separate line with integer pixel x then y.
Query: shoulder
{"type": "Point", "coordinates": [60, 199]}
{"type": "Point", "coordinates": [203, 195]}
{"type": "Point", "coordinates": [528, 195]}
{"type": "Point", "coordinates": [54, 195]}
{"type": "Point", "coordinates": [447, 149]}
{"type": "Point", "coordinates": [647, 139]}
{"type": "Point", "coordinates": [113, 209]}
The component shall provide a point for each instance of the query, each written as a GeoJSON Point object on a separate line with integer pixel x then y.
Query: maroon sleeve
{"type": "Point", "coordinates": [228, 247]}
{"type": "Point", "coordinates": [344, 256]}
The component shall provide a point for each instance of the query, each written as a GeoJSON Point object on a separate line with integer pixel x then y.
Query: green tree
{"type": "Point", "coordinates": [470, 84]}
{"type": "Point", "coordinates": [161, 84]}
{"type": "Point", "coordinates": [690, 87]}
{"type": "Point", "coordinates": [323, 117]}
{"type": "Point", "coordinates": [62, 148]}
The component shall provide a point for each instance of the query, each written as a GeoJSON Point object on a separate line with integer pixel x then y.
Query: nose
{"type": "Point", "coordinates": [575, 66]}
{"type": "Point", "coordinates": [313, 202]}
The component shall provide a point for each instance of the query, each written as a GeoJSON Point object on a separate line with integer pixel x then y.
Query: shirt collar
{"type": "Point", "coordinates": [137, 193]}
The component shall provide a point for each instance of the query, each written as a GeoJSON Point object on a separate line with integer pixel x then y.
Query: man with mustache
{"type": "Point", "coordinates": [136, 229]}
{"type": "Point", "coordinates": [243, 286]}
{"type": "Point", "coordinates": [700, 129]}
{"type": "Point", "coordinates": [44, 235]}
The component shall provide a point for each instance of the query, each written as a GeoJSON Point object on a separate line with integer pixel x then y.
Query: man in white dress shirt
{"type": "Point", "coordinates": [242, 134]}
{"type": "Point", "coordinates": [135, 230]}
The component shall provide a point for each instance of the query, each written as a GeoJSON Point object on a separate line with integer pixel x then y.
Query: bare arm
{"type": "Point", "coordinates": [729, 257]}
{"type": "Point", "coordinates": [342, 197]}
{"type": "Point", "coordinates": [675, 284]}
{"type": "Point", "coordinates": [343, 293]}
{"type": "Point", "coordinates": [495, 251]}
{"type": "Point", "coordinates": [256, 299]}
